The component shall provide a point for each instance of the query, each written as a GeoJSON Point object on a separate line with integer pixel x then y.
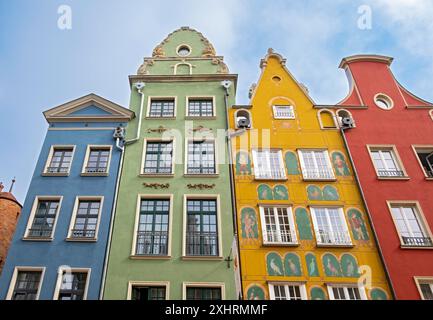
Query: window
{"type": "Point", "coordinates": [346, 292]}
{"type": "Point", "coordinates": [410, 226]}
{"type": "Point", "coordinates": [97, 160]}
{"type": "Point", "coordinates": [162, 108]}
{"type": "Point", "coordinates": [425, 286]}
{"type": "Point", "coordinates": [147, 293]}
{"type": "Point", "coordinates": [26, 285]}
{"type": "Point", "coordinates": [158, 157]}
{"type": "Point", "coordinates": [203, 293]}
{"type": "Point", "coordinates": [330, 226]}
{"type": "Point", "coordinates": [425, 158]}
{"type": "Point", "coordinates": [287, 291]}
{"type": "Point", "coordinates": [284, 112]}
{"type": "Point", "coordinates": [278, 225]}
{"type": "Point", "coordinates": [200, 107]}
{"type": "Point", "coordinates": [345, 118]}
{"type": "Point", "coordinates": [316, 165]}
{"type": "Point", "coordinates": [243, 119]}
{"type": "Point", "coordinates": [60, 160]}
{"type": "Point", "coordinates": [71, 285]}
{"type": "Point", "coordinates": [43, 218]}
{"type": "Point", "coordinates": [85, 219]}
{"type": "Point", "coordinates": [202, 227]}
{"type": "Point", "coordinates": [201, 157]}
{"type": "Point", "coordinates": [183, 51]}
{"type": "Point", "coordinates": [327, 119]}
{"type": "Point", "coordinates": [383, 101]}
{"type": "Point", "coordinates": [153, 227]}
{"type": "Point", "coordinates": [268, 164]}
{"type": "Point", "coordinates": [386, 162]}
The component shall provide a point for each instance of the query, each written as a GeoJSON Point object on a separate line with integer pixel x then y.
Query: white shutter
{"type": "Point", "coordinates": [301, 160]}
{"type": "Point", "coordinates": [263, 224]}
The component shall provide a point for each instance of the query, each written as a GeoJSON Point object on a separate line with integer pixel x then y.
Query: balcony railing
{"type": "Point", "coordinates": [280, 237]}
{"type": "Point", "coordinates": [96, 169]}
{"type": "Point", "coordinates": [333, 237]}
{"type": "Point", "coordinates": [390, 173]}
{"type": "Point", "coordinates": [39, 233]}
{"type": "Point", "coordinates": [57, 169]}
{"type": "Point", "coordinates": [202, 244]}
{"type": "Point", "coordinates": [325, 174]}
{"type": "Point", "coordinates": [271, 175]}
{"type": "Point", "coordinates": [152, 243]}
{"type": "Point", "coordinates": [418, 241]}
{"type": "Point", "coordinates": [83, 234]}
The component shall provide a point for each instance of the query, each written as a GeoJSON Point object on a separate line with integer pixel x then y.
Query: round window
{"type": "Point", "coordinates": [383, 101]}
{"type": "Point", "coordinates": [183, 51]}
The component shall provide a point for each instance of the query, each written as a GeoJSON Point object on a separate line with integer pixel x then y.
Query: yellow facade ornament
{"type": "Point", "coordinates": [209, 50]}
{"type": "Point", "coordinates": [158, 52]}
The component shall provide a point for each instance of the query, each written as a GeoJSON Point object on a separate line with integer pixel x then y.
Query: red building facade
{"type": "Point", "coordinates": [391, 144]}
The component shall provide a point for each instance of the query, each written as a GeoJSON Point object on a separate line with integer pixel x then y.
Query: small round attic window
{"type": "Point", "coordinates": [383, 101]}
{"type": "Point", "coordinates": [183, 51]}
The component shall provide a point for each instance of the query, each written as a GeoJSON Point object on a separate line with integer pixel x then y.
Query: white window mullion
{"type": "Point", "coordinates": [406, 222]}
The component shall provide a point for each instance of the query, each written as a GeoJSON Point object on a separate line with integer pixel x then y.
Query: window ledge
{"type": "Point", "coordinates": [204, 258]}
{"type": "Point", "coordinates": [405, 246]}
{"type": "Point", "coordinates": [274, 244]}
{"type": "Point", "coordinates": [149, 257]}
{"type": "Point", "coordinates": [393, 178]}
{"type": "Point", "coordinates": [326, 245]}
{"type": "Point", "coordinates": [97, 174]}
{"type": "Point", "coordinates": [200, 118]}
{"type": "Point", "coordinates": [201, 175]}
{"type": "Point", "coordinates": [69, 239]}
{"type": "Point", "coordinates": [318, 179]}
{"type": "Point", "coordinates": [429, 179]}
{"type": "Point", "coordinates": [271, 179]}
{"type": "Point", "coordinates": [156, 175]}
{"type": "Point", "coordinates": [55, 174]}
{"type": "Point", "coordinates": [160, 118]}
{"type": "Point", "coordinates": [37, 239]}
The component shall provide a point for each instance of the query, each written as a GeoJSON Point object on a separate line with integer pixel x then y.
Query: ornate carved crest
{"type": "Point", "coordinates": [200, 129]}
{"type": "Point", "coordinates": [158, 52]}
{"type": "Point", "coordinates": [143, 68]}
{"type": "Point", "coordinates": [160, 129]}
{"type": "Point", "coordinates": [156, 185]}
{"type": "Point", "coordinates": [201, 186]}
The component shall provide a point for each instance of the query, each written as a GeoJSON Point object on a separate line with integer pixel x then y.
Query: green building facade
{"type": "Point", "coordinates": [173, 231]}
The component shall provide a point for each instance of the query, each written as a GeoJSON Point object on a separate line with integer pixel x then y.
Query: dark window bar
{"type": "Point", "coordinates": [80, 233]}
{"type": "Point", "coordinates": [57, 169]}
{"type": "Point", "coordinates": [96, 169]}
{"type": "Point", "coordinates": [39, 233]}
{"type": "Point", "coordinates": [202, 244]}
{"type": "Point", "coordinates": [418, 241]}
{"type": "Point", "coordinates": [391, 173]}
{"type": "Point", "coordinates": [152, 243]}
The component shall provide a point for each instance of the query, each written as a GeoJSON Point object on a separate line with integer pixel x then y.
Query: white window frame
{"type": "Point", "coordinates": [216, 197]}
{"type": "Point", "coordinates": [204, 97]}
{"type": "Point", "coordinates": [132, 284]}
{"type": "Point", "coordinates": [361, 290]}
{"type": "Point", "coordinates": [290, 111]}
{"type": "Point", "coordinates": [267, 175]}
{"type": "Point", "coordinates": [250, 118]}
{"type": "Point", "coordinates": [319, 115]}
{"type": "Point", "coordinates": [423, 280]}
{"type": "Point", "coordinates": [33, 213]}
{"type": "Point", "coordinates": [173, 157]}
{"type": "Point", "coordinates": [13, 281]}
{"type": "Point", "coordinates": [216, 158]}
{"type": "Point", "coordinates": [301, 285]}
{"type": "Point", "coordinates": [416, 148]}
{"type": "Point", "coordinates": [140, 197]}
{"type": "Point", "coordinates": [219, 285]}
{"type": "Point", "coordinates": [149, 102]}
{"type": "Point", "coordinates": [347, 241]}
{"type": "Point", "coordinates": [50, 157]}
{"type": "Point", "coordinates": [74, 215]}
{"type": "Point", "coordinates": [312, 177]}
{"type": "Point", "coordinates": [63, 269]}
{"type": "Point", "coordinates": [86, 160]}
{"type": "Point", "coordinates": [278, 227]}
{"type": "Point", "coordinates": [395, 157]}
{"type": "Point", "coordinates": [420, 218]}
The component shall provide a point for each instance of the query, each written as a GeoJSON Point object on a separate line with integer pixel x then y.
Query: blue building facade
{"type": "Point", "coordinates": [60, 244]}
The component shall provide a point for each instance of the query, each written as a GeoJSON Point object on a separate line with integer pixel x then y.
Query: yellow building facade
{"type": "Point", "coordinates": [303, 230]}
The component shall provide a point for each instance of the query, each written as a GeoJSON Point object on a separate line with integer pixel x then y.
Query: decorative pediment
{"type": "Point", "coordinates": [89, 108]}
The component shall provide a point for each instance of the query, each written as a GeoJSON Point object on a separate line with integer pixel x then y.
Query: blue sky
{"type": "Point", "coordinates": [42, 66]}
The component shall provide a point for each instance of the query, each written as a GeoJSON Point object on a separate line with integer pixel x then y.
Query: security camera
{"type": "Point", "coordinates": [139, 85]}
{"type": "Point", "coordinates": [226, 83]}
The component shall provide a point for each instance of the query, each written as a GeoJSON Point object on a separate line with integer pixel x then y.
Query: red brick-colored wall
{"type": "Point", "coordinates": [9, 213]}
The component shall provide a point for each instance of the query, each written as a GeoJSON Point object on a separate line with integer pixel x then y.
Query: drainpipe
{"type": "Point", "coordinates": [139, 86]}
{"type": "Point", "coordinates": [226, 85]}
{"type": "Point", "coordinates": [364, 201]}
{"type": "Point", "coordinates": [113, 209]}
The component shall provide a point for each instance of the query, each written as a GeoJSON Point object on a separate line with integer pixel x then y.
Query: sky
{"type": "Point", "coordinates": [42, 66]}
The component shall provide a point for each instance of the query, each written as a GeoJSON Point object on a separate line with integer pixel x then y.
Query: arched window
{"type": "Point", "coordinates": [183, 68]}
{"type": "Point", "coordinates": [341, 114]}
{"type": "Point", "coordinates": [327, 119]}
{"type": "Point", "coordinates": [243, 119]}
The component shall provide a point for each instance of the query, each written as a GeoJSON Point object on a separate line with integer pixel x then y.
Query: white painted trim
{"type": "Point", "coordinates": [86, 159]}
{"type": "Point", "coordinates": [216, 155]}
{"type": "Point", "coordinates": [50, 156]}
{"type": "Point", "coordinates": [132, 284]}
{"type": "Point", "coordinates": [274, 109]}
{"type": "Point", "coordinates": [342, 219]}
{"type": "Point", "coordinates": [60, 272]}
{"type": "Point", "coordinates": [220, 285]}
{"type": "Point", "coordinates": [173, 156]}
{"type": "Point", "coordinates": [183, 63]}
{"type": "Point", "coordinates": [277, 223]}
{"type": "Point", "coordinates": [361, 289]}
{"type": "Point", "coordinates": [149, 101]}
{"type": "Point", "coordinates": [301, 285]}
{"type": "Point", "coordinates": [74, 215]}
{"type": "Point", "coordinates": [428, 280]}
{"type": "Point", "coordinates": [204, 97]}
{"type": "Point", "coordinates": [14, 279]}
{"type": "Point", "coordinates": [250, 117]}
{"type": "Point", "coordinates": [319, 116]}
{"type": "Point", "coordinates": [33, 212]}
{"type": "Point", "coordinates": [395, 155]}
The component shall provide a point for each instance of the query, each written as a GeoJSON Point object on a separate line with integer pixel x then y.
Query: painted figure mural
{"type": "Point", "coordinates": [249, 224]}
{"type": "Point", "coordinates": [243, 163]}
{"type": "Point", "coordinates": [255, 292]}
{"type": "Point", "coordinates": [304, 224]}
{"type": "Point", "coordinates": [313, 270]}
{"type": "Point", "coordinates": [292, 163]}
{"type": "Point", "coordinates": [340, 164]}
{"type": "Point", "coordinates": [357, 224]}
